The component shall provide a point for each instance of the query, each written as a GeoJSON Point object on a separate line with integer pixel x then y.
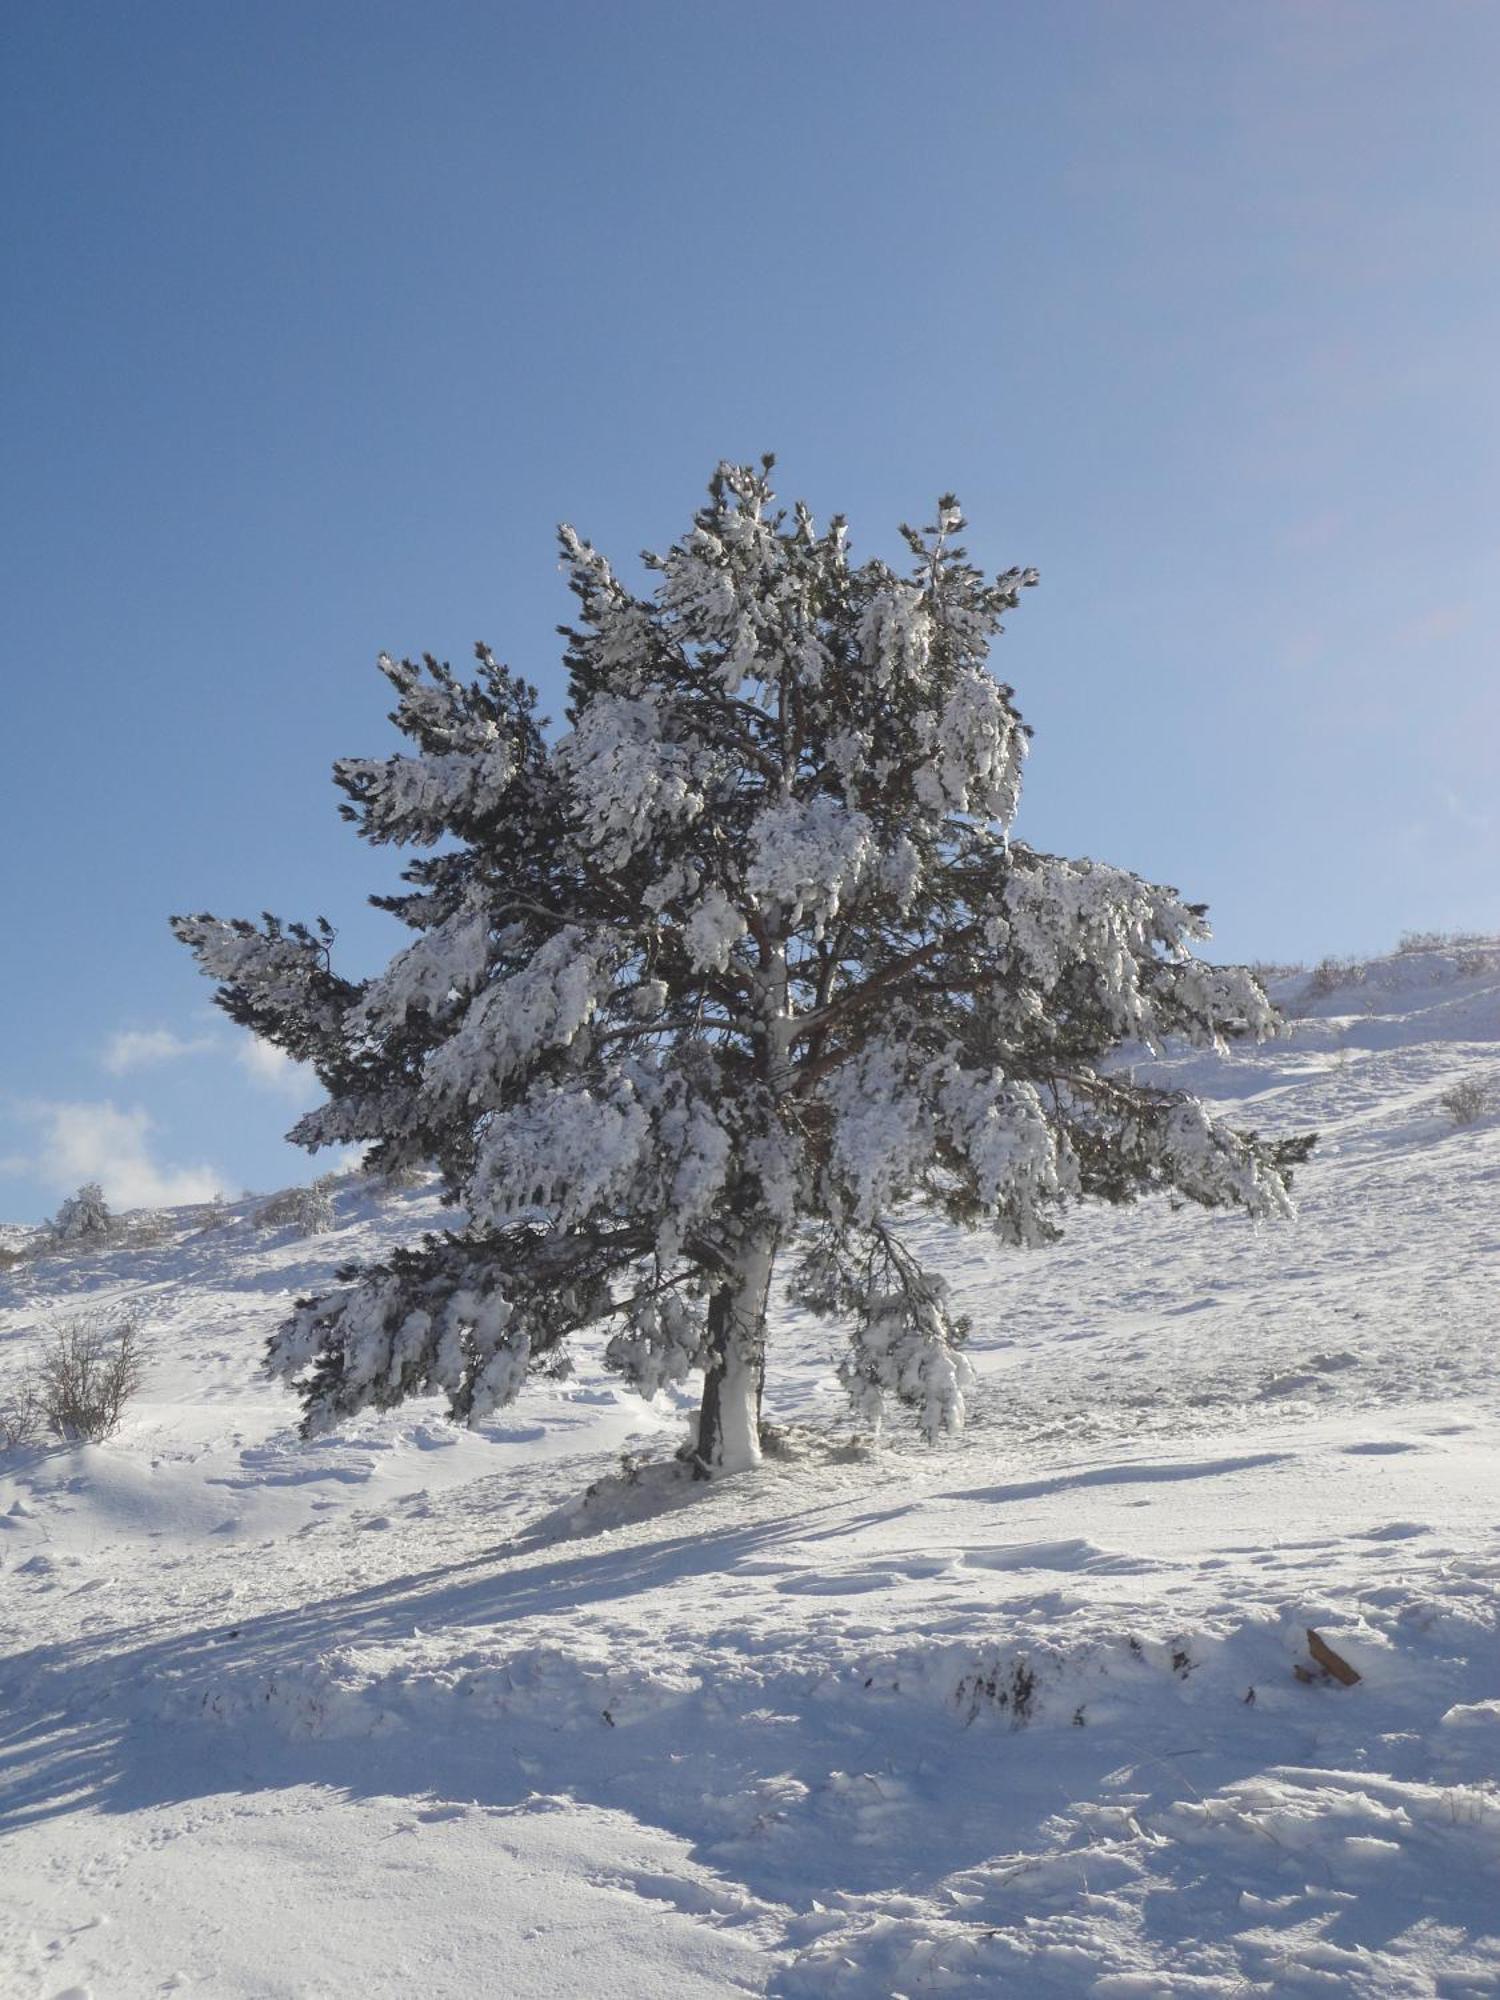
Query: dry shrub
{"type": "Point", "coordinates": [1447, 941]}
{"type": "Point", "coordinates": [1329, 974]}
{"type": "Point", "coordinates": [308, 1210]}
{"type": "Point", "coordinates": [1470, 1100]}
{"type": "Point", "coordinates": [148, 1232]}
{"type": "Point", "coordinates": [90, 1367]}
{"type": "Point", "coordinates": [21, 1420]}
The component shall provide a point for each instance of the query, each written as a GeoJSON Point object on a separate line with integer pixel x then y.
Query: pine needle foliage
{"type": "Point", "coordinates": [731, 972]}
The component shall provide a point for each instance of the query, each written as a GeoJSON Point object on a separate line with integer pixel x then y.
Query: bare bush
{"type": "Point", "coordinates": [88, 1371]}
{"type": "Point", "coordinates": [1470, 1100]}
{"type": "Point", "coordinates": [21, 1419]}
{"type": "Point", "coordinates": [1447, 941]}
{"type": "Point", "coordinates": [1329, 974]}
{"type": "Point", "coordinates": [1473, 952]}
{"type": "Point", "coordinates": [308, 1210]}
{"type": "Point", "coordinates": [10, 1259]}
{"type": "Point", "coordinates": [1267, 969]}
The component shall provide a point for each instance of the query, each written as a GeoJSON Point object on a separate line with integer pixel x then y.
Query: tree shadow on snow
{"type": "Point", "coordinates": [796, 1779]}
{"type": "Point", "coordinates": [779, 1772]}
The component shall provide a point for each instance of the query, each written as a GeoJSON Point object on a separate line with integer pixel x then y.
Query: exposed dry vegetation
{"type": "Point", "coordinates": [1469, 1101]}
{"type": "Point", "coordinates": [76, 1388]}
{"type": "Point", "coordinates": [308, 1210]}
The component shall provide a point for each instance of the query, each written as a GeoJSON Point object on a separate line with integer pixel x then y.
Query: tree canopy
{"type": "Point", "coordinates": [735, 969]}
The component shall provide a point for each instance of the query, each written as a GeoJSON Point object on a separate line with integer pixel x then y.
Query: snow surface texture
{"type": "Point", "coordinates": [418, 1710]}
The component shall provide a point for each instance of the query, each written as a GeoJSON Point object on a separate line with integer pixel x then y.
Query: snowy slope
{"type": "Point", "coordinates": [411, 1710]}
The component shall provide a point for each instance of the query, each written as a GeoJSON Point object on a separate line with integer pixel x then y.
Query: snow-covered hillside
{"type": "Point", "coordinates": [520, 1712]}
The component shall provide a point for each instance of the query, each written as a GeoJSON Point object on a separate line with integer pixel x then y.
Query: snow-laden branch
{"type": "Point", "coordinates": [740, 964]}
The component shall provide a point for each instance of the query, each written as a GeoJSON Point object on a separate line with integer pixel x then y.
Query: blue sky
{"type": "Point", "coordinates": [318, 319]}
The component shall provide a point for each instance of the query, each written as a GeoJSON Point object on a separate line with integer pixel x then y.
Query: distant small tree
{"type": "Point", "coordinates": [84, 1219]}
{"type": "Point", "coordinates": [741, 967]}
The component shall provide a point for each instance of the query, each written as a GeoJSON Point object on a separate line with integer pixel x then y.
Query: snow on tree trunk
{"type": "Point", "coordinates": [729, 1418]}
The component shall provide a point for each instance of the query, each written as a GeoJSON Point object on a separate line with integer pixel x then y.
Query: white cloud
{"type": "Point", "coordinates": [269, 1066]}
{"type": "Point", "coordinates": [264, 1064]}
{"type": "Point", "coordinates": [140, 1048]}
{"type": "Point", "coordinates": [99, 1142]}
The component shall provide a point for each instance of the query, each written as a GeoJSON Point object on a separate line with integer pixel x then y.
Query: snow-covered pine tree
{"type": "Point", "coordinates": [742, 966]}
{"type": "Point", "coordinates": [84, 1218]}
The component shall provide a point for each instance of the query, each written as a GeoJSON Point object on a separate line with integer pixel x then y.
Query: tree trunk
{"type": "Point", "coordinates": [729, 1418]}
